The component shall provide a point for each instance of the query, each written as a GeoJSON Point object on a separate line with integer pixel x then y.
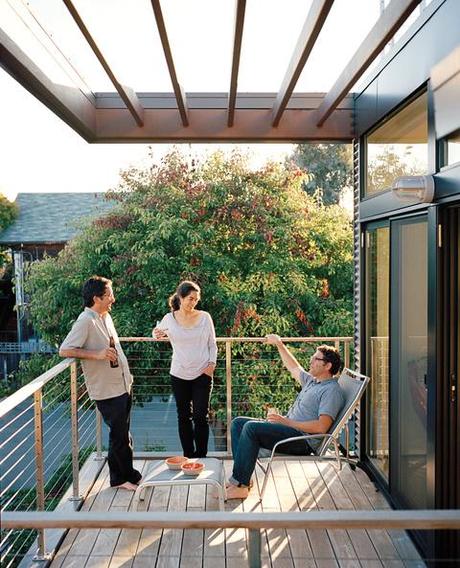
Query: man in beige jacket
{"type": "Point", "coordinates": [94, 340]}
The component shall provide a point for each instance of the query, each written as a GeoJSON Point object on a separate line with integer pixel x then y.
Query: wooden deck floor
{"type": "Point", "coordinates": [298, 486]}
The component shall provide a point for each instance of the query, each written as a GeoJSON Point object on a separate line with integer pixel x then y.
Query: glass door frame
{"type": "Point", "coordinates": [431, 214]}
{"type": "Point", "coordinates": [366, 229]}
{"type": "Point", "coordinates": [395, 345]}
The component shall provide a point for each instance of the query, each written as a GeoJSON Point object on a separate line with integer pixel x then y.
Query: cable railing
{"type": "Point", "coordinates": [49, 427]}
{"type": "Point", "coordinates": [46, 433]}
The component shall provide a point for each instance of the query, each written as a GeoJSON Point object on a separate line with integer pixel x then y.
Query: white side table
{"type": "Point", "coordinates": [212, 474]}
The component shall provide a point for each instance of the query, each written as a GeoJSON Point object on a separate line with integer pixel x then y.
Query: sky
{"type": "Point", "coordinates": [40, 153]}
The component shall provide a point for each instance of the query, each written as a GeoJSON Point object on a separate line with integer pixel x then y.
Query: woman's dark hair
{"type": "Point", "coordinates": [184, 289]}
{"type": "Point", "coordinates": [332, 356]}
{"type": "Point", "coordinates": [95, 286]}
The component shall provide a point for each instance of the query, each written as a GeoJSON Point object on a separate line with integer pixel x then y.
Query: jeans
{"type": "Point", "coordinates": [116, 414]}
{"type": "Point", "coordinates": [192, 401]}
{"type": "Point", "coordinates": [249, 435]}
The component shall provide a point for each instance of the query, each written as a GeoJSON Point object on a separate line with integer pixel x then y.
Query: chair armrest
{"type": "Point", "coordinates": [295, 438]}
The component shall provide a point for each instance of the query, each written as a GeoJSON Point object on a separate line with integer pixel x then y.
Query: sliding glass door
{"type": "Point", "coordinates": [409, 333]}
{"type": "Point", "coordinates": [377, 257]}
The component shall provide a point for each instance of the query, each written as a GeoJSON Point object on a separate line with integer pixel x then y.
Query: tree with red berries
{"type": "Point", "coordinates": [268, 257]}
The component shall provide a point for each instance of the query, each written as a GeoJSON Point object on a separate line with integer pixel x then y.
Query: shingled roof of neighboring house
{"type": "Point", "coordinates": [52, 217]}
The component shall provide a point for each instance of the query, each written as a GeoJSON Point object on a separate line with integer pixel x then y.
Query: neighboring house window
{"type": "Point", "coordinates": [398, 147]}
{"type": "Point", "coordinates": [453, 148]}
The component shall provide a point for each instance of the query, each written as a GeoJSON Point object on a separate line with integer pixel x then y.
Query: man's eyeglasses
{"type": "Point", "coordinates": [314, 357]}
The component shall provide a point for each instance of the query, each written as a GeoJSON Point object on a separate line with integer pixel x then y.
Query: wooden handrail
{"type": "Point", "coordinates": [383, 519]}
{"type": "Point", "coordinates": [28, 390]}
{"type": "Point", "coordinates": [254, 339]}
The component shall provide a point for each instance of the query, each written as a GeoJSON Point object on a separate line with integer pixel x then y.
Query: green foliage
{"type": "Point", "coordinates": [36, 365]}
{"type": "Point", "coordinates": [329, 168]}
{"type": "Point", "coordinates": [8, 212]}
{"type": "Point", "coordinates": [268, 257]}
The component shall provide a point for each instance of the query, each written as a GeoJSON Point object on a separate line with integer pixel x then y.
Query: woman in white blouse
{"type": "Point", "coordinates": [193, 339]}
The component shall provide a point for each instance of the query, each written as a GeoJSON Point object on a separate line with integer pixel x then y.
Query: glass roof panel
{"type": "Point", "coordinates": [347, 24]}
{"type": "Point", "coordinates": [29, 29]}
{"type": "Point", "coordinates": [51, 22]}
{"type": "Point", "coordinates": [201, 38]}
{"type": "Point", "coordinates": [271, 30]}
{"type": "Point", "coordinates": [127, 35]}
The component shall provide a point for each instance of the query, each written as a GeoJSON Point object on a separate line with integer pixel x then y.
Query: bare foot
{"type": "Point", "coordinates": [228, 484]}
{"type": "Point", "coordinates": [127, 485]}
{"type": "Point", "coordinates": [234, 492]}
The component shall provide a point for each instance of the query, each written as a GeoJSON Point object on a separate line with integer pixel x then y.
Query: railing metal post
{"type": "Point", "coordinates": [39, 472]}
{"type": "Point", "coordinates": [228, 382]}
{"type": "Point", "coordinates": [346, 355]}
{"type": "Point", "coordinates": [254, 548]}
{"type": "Point", "coordinates": [74, 429]}
{"type": "Point", "coordinates": [99, 455]}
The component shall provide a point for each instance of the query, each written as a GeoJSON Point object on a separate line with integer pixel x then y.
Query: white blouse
{"type": "Point", "coordinates": [193, 347]}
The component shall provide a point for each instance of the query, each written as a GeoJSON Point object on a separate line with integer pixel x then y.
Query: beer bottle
{"type": "Point", "coordinates": [113, 364]}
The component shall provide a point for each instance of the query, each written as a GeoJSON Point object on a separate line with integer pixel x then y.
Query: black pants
{"type": "Point", "coordinates": [192, 401]}
{"type": "Point", "coordinates": [116, 414]}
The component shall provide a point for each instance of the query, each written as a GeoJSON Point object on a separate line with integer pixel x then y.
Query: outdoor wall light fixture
{"type": "Point", "coordinates": [411, 188]}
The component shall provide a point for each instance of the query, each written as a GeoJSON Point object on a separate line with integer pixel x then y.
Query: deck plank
{"type": "Point", "coordinates": [72, 534]}
{"type": "Point", "coordinates": [380, 538]}
{"type": "Point", "coordinates": [319, 539]}
{"type": "Point", "coordinates": [294, 485]}
{"type": "Point", "coordinates": [401, 541]}
{"type": "Point", "coordinates": [299, 542]}
{"type": "Point", "coordinates": [214, 539]}
{"type": "Point", "coordinates": [340, 540]}
{"type": "Point", "coordinates": [278, 542]}
{"type": "Point", "coordinates": [156, 499]}
{"type": "Point", "coordinates": [193, 539]}
{"type": "Point", "coordinates": [83, 545]}
{"type": "Point", "coordinates": [235, 539]}
{"type": "Point", "coordinates": [362, 544]}
{"type": "Point", "coordinates": [171, 541]}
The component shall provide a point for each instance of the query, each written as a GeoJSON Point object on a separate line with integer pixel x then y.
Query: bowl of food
{"type": "Point", "coordinates": [192, 468]}
{"type": "Point", "coordinates": [175, 462]}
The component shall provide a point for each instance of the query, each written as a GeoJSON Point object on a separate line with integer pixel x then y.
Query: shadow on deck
{"type": "Point", "coordinates": [295, 486]}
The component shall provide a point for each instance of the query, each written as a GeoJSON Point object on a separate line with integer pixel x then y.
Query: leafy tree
{"type": "Point", "coordinates": [8, 212]}
{"type": "Point", "coordinates": [268, 257]}
{"type": "Point", "coordinates": [329, 168]}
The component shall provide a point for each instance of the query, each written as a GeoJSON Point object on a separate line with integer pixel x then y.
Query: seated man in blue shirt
{"type": "Point", "coordinates": [313, 412]}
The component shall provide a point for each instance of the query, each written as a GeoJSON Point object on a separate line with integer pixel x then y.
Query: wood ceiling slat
{"type": "Point", "coordinates": [128, 96]}
{"type": "Point", "coordinates": [178, 91]}
{"type": "Point", "coordinates": [307, 39]}
{"type": "Point", "coordinates": [238, 37]}
{"type": "Point", "coordinates": [392, 18]}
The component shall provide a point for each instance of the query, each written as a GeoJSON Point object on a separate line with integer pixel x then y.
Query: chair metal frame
{"type": "Point", "coordinates": [331, 438]}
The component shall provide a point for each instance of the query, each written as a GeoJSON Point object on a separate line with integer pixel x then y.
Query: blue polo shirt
{"type": "Point", "coordinates": [316, 398]}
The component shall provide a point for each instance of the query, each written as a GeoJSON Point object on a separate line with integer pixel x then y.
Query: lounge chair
{"type": "Point", "coordinates": [353, 384]}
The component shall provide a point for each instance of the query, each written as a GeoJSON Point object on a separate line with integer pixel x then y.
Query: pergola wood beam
{"type": "Point", "coordinates": [208, 113]}
{"type": "Point", "coordinates": [73, 106]}
{"type": "Point", "coordinates": [128, 96]}
{"type": "Point", "coordinates": [237, 40]}
{"type": "Point", "coordinates": [178, 91]}
{"type": "Point", "coordinates": [392, 18]}
{"type": "Point", "coordinates": [313, 24]}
